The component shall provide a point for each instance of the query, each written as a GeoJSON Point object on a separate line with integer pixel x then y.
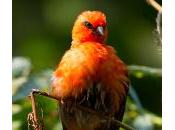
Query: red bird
{"type": "Point", "coordinates": [91, 74]}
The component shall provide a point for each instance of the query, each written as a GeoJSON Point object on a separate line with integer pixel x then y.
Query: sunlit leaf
{"type": "Point", "coordinates": [143, 122]}
{"type": "Point", "coordinates": [141, 71]}
{"type": "Point", "coordinates": [16, 125]}
{"type": "Point", "coordinates": [21, 66]}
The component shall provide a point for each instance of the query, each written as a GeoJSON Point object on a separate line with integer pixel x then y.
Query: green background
{"type": "Point", "coordinates": [42, 29]}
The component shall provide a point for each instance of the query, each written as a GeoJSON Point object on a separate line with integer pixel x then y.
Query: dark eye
{"type": "Point", "coordinates": [88, 25]}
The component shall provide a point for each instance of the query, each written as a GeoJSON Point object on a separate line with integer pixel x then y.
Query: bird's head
{"type": "Point", "coordinates": [90, 26]}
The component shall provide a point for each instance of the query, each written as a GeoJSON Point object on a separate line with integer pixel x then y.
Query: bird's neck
{"type": "Point", "coordinates": [75, 43]}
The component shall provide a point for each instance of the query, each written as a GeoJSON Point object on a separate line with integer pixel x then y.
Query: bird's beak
{"type": "Point", "coordinates": [100, 30]}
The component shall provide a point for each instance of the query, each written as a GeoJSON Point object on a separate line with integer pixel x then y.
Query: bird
{"type": "Point", "coordinates": [92, 75]}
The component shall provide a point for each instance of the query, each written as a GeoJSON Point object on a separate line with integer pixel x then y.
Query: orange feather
{"type": "Point", "coordinates": [92, 74]}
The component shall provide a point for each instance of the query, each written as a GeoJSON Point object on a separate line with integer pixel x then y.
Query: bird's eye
{"type": "Point", "coordinates": [88, 25]}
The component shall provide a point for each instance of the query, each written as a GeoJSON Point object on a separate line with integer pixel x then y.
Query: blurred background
{"type": "Point", "coordinates": [42, 33]}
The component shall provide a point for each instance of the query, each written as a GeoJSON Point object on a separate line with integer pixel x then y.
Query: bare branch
{"type": "Point", "coordinates": [119, 123]}
{"type": "Point", "coordinates": [155, 5]}
{"type": "Point", "coordinates": [34, 108]}
{"type": "Point", "coordinates": [33, 119]}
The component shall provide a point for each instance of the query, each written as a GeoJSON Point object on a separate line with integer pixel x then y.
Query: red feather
{"type": "Point", "coordinates": [92, 74]}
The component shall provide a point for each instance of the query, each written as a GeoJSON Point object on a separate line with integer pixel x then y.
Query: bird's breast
{"type": "Point", "coordinates": [95, 77]}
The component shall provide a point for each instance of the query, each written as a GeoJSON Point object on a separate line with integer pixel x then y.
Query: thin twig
{"type": "Point", "coordinates": [155, 5]}
{"type": "Point", "coordinates": [34, 110]}
{"type": "Point", "coordinates": [127, 127]}
{"type": "Point", "coordinates": [33, 117]}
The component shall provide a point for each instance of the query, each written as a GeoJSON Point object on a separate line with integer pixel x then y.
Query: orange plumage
{"type": "Point", "coordinates": [92, 74]}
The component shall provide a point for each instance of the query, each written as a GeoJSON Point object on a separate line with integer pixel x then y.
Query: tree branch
{"type": "Point", "coordinates": [155, 5]}
{"type": "Point", "coordinates": [34, 91]}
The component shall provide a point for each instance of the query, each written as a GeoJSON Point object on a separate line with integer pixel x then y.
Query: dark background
{"type": "Point", "coordinates": [42, 29]}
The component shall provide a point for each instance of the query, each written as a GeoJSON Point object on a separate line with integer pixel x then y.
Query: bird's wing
{"type": "Point", "coordinates": [72, 75]}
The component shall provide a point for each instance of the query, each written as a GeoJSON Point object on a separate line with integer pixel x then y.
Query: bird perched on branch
{"type": "Point", "coordinates": [92, 75]}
